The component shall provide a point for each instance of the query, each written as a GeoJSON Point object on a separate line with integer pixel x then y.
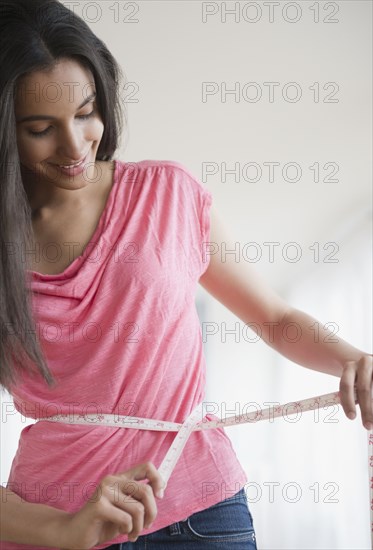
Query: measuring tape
{"type": "Point", "coordinates": [195, 422]}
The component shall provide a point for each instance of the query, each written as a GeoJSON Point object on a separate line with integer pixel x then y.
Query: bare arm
{"type": "Point", "coordinates": [120, 504]}
{"type": "Point", "coordinates": [314, 346]}
{"type": "Point", "coordinates": [289, 331]}
{"type": "Point", "coordinates": [24, 522]}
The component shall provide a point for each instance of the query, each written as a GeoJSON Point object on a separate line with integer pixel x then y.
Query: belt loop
{"type": "Point", "coordinates": [174, 529]}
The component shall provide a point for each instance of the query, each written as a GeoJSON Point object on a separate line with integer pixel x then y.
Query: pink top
{"type": "Point", "coordinates": [121, 334]}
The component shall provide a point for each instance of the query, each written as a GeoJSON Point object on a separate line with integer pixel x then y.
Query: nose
{"type": "Point", "coordinates": [72, 145]}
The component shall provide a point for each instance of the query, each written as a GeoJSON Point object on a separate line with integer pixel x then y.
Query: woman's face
{"type": "Point", "coordinates": [69, 127]}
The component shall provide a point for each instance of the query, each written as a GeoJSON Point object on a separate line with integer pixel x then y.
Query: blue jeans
{"type": "Point", "coordinates": [227, 525]}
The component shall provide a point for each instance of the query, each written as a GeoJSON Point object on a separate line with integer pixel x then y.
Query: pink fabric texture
{"type": "Point", "coordinates": [121, 334]}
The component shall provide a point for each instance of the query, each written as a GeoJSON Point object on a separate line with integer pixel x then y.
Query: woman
{"type": "Point", "coordinates": [112, 253]}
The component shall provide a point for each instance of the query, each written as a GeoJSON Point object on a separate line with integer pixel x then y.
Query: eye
{"type": "Point", "coordinates": [47, 131]}
{"type": "Point", "coordinates": [84, 117]}
{"type": "Point", "coordinates": [40, 134]}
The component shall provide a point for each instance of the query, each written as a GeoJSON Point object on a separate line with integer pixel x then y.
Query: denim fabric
{"type": "Point", "coordinates": [227, 525]}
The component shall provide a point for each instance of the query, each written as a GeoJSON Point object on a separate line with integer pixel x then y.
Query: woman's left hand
{"type": "Point", "coordinates": [358, 375]}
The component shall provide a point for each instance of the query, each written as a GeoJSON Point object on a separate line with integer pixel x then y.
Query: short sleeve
{"type": "Point", "coordinates": [197, 204]}
{"type": "Point", "coordinates": [205, 202]}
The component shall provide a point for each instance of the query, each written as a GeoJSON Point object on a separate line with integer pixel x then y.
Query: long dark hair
{"type": "Point", "coordinates": [34, 35]}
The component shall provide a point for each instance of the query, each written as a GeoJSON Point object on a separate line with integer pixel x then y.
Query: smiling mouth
{"type": "Point", "coordinates": [72, 165]}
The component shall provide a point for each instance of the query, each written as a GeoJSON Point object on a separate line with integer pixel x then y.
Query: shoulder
{"type": "Point", "coordinates": [168, 178]}
{"type": "Point", "coordinates": [167, 166]}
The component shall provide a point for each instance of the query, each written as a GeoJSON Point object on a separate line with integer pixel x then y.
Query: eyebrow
{"type": "Point", "coordinates": [47, 117]}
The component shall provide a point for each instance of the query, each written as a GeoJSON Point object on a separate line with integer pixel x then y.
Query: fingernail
{"type": "Point", "coordinates": [368, 425]}
{"type": "Point", "coordinates": [351, 415]}
{"type": "Point", "coordinates": [160, 493]}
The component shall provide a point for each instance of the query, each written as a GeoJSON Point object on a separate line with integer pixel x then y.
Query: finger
{"type": "Point", "coordinates": [139, 494]}
{"type": "Point", "coordinates": [120, 502]}
{"type": "Point", "coordinates": [364, 392]}
{"type": "Point", "coordinates": [147, 470]}
{"type": "Point", "coordinates": [112, 513]}
{"type": "Point", "coordinates": [346, 389]}
{"type": "Point", "coordinates": [137, 512]}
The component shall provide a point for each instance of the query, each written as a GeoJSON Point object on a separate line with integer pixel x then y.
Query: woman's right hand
{"type": "Point", "coordinates": [119, 505]}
